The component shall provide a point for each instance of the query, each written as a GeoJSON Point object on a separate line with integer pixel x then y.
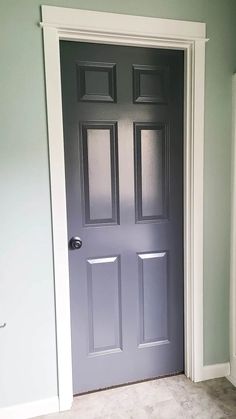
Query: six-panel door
{"type": "Point", "coordinates": [123, 118]}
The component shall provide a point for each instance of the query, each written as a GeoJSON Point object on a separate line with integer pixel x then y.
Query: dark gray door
{"type": "Point", "coordinates": [123, 120]}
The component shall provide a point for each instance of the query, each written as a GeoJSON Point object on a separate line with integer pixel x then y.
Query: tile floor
{"type": "Point", "coordinates": [166, 398]}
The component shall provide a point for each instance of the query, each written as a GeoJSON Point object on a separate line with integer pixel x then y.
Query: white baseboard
{"type": "Point", "coordinates": [46, 406]}
{"type": "Point", "coordinates": [232, 379]}
{"type": "Point", "coordinates": [232, 375]}
{"type": "Point", "coordinates": [30, 410]}
{"type": "Point", "coordinates": [215, 371]}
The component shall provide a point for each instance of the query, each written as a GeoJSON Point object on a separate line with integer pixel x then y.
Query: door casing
{"type": "Point", "coordinates": [98, 27]}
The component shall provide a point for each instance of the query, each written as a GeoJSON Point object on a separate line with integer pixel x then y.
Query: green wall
{"type": "Point", "coordinates": [27, 344]}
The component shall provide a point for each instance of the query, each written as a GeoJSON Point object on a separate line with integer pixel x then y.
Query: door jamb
{"type": "Point", "coordinates": [90, 26]}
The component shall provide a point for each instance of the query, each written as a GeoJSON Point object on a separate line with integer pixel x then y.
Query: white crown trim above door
{"type": "Point", "coordinates": [82, 25]}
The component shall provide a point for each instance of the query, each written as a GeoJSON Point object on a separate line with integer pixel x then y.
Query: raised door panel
{"type": "Point", "coordinates": [151, 172]}
{"type": "Point", "coordinates": [150, 84]}
{"type": "Point", "coordinates": [153, 298]}
{"type": "Point", "coordinates": [104, 305]}
{"type": "Point", "coordinates": [96, 82]}
{"type": "Point", "coordinates": [100, 173]}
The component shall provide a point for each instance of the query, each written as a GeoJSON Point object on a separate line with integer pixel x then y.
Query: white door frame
{"type": "Point", "coordinates": [82, 25]}
{"type": "Point", "coordinates": [232, 333]}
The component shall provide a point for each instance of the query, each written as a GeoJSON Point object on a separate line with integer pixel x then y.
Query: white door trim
{"type": "Point", "coordinates": [82, 25]}
{"type": "Point", "coordinates": [232, 334]}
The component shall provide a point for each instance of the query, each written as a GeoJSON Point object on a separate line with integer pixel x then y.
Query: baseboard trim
{"type": "Point", "coordinates": [30, 410]}
{"type": "Point", "coordinates": [215, 371]}
{"type": "Point", "coordinates": [232, 379]}
{"type": "Point", "coordinates": [47, 406]}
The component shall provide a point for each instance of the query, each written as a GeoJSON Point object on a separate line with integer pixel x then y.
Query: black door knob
{"type": "Point", "coordinates": [75, 243]}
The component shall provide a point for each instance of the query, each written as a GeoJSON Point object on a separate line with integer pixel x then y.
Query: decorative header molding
{"type": "Point", "coordinates": [93, 22]}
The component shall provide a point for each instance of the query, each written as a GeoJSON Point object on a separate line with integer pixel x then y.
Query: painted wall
{"type": "Point", "coordinates": [27, 344]}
